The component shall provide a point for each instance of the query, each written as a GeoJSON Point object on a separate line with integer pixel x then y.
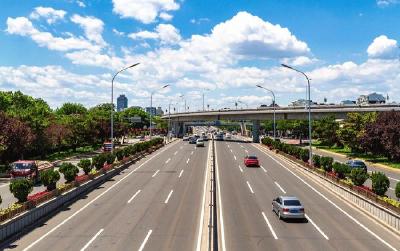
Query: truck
{"type": "Point", "coordinates": [29, 169]}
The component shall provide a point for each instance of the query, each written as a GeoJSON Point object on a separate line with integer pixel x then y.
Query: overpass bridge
{"type": "Point", "coordinates": [180, 120]}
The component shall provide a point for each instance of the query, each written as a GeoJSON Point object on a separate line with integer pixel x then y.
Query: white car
{"type": "Point", "coordinates": [200, 142]}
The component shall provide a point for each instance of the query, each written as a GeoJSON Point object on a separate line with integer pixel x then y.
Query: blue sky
{"type": "Point", "coordinates": [68, 50]}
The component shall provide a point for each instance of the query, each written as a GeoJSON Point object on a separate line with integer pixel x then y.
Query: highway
{"type": "Point", "coordinates": [156, 204]}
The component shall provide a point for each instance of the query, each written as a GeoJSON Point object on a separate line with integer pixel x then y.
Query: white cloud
{"type": "Point", "coordinates": [92, 26]}
{"type": "Point", "coordinates": [81, 4]}
{"type": "Point", "coordinates": [300, 61]}
{"type": "Point", "coordinates": [145, 11]}
{"type": "Point", "coordinates": [22, 26]}
{"type": "Point", "coordinates": [166, 33]}
{"type": "Point", "coordinates": [165, 16]}
{"type": "Point", "coordinates": [94, 58]}
{"type": "Point", "coordinates": [199, 20]}
{"type": "Point", "coordinates": [383, 47]}
{"type": "Point", "coordinates": [118, 33]}
{"type": "Point", "coordinates": [385, 3]}
{"type": "Point", "coordinates": [51, 15]}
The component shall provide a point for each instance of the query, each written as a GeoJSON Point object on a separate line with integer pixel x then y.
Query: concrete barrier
{"type": "Point", "coordinates": [27, 218]}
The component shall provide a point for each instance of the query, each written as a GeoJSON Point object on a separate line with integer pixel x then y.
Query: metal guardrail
{"type": "Point", "coordinates": [213, 224]}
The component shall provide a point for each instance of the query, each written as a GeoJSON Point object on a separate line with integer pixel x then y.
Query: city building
{"type": "Point", "coordinates": [302, 102]}
{"type": "Point", "coordinates": [151, 110]}
{"type": "Point", "coordinates": [373, 98]}
{"type": "Point", "coordinates": [348, 102]}
{"type": "Point", "coordinates": [159, 111]}
{"type": "Point", "coordinates": [137, 107]}
{"type": "Point", "coordinates": [122, 102]}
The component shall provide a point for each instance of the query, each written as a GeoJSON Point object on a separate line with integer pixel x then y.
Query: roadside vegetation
{"type": "Point", "coordinates": [30, 129]}
{"type": "Point", "coordinates": [370, 136]}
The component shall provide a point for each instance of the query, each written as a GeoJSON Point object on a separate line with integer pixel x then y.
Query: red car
{"type": "Point", "coordinates": [251, 160]}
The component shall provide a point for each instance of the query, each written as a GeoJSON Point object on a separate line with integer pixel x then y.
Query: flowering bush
{"type": "Point", "coordinates": [37, 196]}
{"type": "Point", "coordinates": [390, 201]}
{"type": "Point", "coordinates": [82, 178]}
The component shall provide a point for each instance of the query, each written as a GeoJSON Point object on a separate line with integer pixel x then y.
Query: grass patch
{"type": "Point", "coordinates": [71, 153]}
{"type": "Point", "coordinates": [365, 156]}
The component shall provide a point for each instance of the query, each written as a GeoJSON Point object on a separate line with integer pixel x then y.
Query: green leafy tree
{"type": "Point", "coordinates": [380, 183]}
{"type": "Point", "coordinates": [325, 130]}
{"type": "Point", "coordinates": [99, 160]}
{"type": "Point", "coordinates": [86, 165]}
{"type": "Point", "coordinates": [69, 171]}
{"type": "Point", "coordinates": [21, 188]}
{"type": "Point", "coordinates": [326, 163]}
{"type": "Point", "coordinates": [49, 178]}
{"type": "Point", "coordinates": [353, 129]}
{"type": "Point", "coordinates": [397, 190]}
{"type": "Point", "coordinates": [341, 169]}
{"type": "Point", "coordinates": [316, 160]}
{"type": "Point", "coordinates": [71, 109]}
{"type": "Point", "coordinates": [358, 176]}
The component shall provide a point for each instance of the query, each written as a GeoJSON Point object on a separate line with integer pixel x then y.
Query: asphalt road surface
{"type": "Point", "coordinates": [156, 204]}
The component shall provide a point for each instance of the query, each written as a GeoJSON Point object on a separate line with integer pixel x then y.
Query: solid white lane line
{"type": "Point", "coordinates": [234, 156]}
{"type": "Point", "coordinates": [241, 169]}
{"type": "Point", "coordinates": [130, 200]}
{"type": "Point", "coordinates": [269, 226]}
{"type": "Point", "coordinates": [316, 227]}
{"type": "Point", "coordinates": [145, 240]}
{"type": "Point", "coordinates": [251, 189]}
{"type": "Point", "coordinates": [169, 196]}
{"type": "Point", "coordinates": [175, 152]}
{"type": "Point", "coordinates": [263, 169]}
{"type": "Point", "coordinates": [203, 201]}
{"type": "Point", "coordinates": [168, 160]}
{"type": "Point", "coordinates": [180, 174]}
{"type": "Point", "coordinates": [187, 161]}
{"type": "Point", "coordinates": [191, 153]}
{"type": "Point", "coordinates": [221, 216]}
{"type": "Point", "coordinates": [91, 240]}
{"type": "Point", "coordinates": [96, 198]}
{"type": "Point", "coordinates": [279, 186]}
{"type": "Point", "coordinates": [333, 204]}
{"type": "Point", "coordinates": [393, 179]}
{"type": "Point", "coordinates": [155, 173]}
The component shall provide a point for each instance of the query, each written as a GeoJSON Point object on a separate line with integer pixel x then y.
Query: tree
{"type": "Point", "coordinates": [69, 170]}
{"type": "Point", "coordinates": [15, 138]}
{"type": "Point", "coordinates": [326, 163]}
{"type": "Point", "coordinates": [86, 165]}
{"type": "Point", "coordinates": [71, 109]}
{"type": "Point", "coordinates": [57, 135]}
{"type": "Point", "coordinates": [325, 130]}
{"type": "Point", "coordinates": [380, 183]}
{"type": "Point", "coordinates": [353, 129]}
{"type": "Point", "coordinates": [382, 137]}
{"type": "Point", "coordinates": [358, 176]}
{"type": "Point", "coordinates": [397, 190]}
{"type": "Point", "coordinates": [49, 179]}
{"type": "Point", "coordinates": [21, 188]}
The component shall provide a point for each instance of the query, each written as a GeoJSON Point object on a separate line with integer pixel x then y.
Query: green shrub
{"type": "Point", "coordinates": [326, 163]}
{"type": "Point", "coordinates": [304, 154]}
{"type": "Point", "coordinates": [358, 176]}
{"type": "Point", "coordinates": [397, 190]}
{"type": "Point", "coordinates": [341, 169]}
{"type": "Point", "coordinates": [316, 161]}
{"type": "Point", "coordinates": [110, 158]}
{"type": "Point", "coordinates": [120, 154]}
{"type": "Point", "coordinates": [380, 183]}
{"type": "Point", "coordinates": [70, 171]}
{"type": "Point", "coordinates": [86, 165]}
{"type": "Point", "coordinates": [21, 188]}
{"type": "Point", "coordinates": [99, 160]}
{"type": "Point", "coordinates": [1, 200]}
{"type": "Point", "coordinates": [49, 178]}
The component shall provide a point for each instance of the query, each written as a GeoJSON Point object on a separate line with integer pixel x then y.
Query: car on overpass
{"type": "Point", "coordinates": [288, 207]}
{"type": "Point", "coordinates": [251, 160]}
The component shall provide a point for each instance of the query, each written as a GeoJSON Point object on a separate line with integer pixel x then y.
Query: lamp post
{"type": "Point", "coordinates": [151, 108]}
{"type": "Point", "coordinates": [112, 101]}
{"type": "Point", "coordinates": [273, 103]}
{"type": "Point", "coordinates": [205, 89]}
{"type": "Point", "coordinates": [309, 105]}
{"type": "Point", "coordinates": [247, 106]}
{"type": "Point", "coordinates": [183, 97]}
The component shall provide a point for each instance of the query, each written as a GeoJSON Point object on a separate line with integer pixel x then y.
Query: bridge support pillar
{"type": "Point", "coordinates": [178, 129]}
{"type": "Point", "coordinates": [256, 131]}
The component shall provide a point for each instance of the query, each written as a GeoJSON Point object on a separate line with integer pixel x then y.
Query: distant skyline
{"type": "Point", "coordinates": [68, 50]}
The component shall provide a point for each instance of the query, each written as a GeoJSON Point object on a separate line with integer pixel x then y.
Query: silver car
{"type": "Point", "coordinates": [200, 143]}
{"type": "Point", "coordinates": [288, 208]}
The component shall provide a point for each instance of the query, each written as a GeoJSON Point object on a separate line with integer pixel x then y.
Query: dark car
{"type": "Point", "coordinates": [357, 164]}
{"type": "Point", "coordinates": [192, 140]}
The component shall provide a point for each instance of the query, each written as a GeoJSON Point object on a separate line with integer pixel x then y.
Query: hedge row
{"type": "Point", "coordinates": [298, 152]}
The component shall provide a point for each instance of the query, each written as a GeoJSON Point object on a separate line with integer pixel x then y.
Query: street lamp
{"type": "Point", "coordinates": [247, 106]}
{"type": "Point", "coordinates": [273, 103]}
{"type": "Point", "coordinates": [112, 101]}
{"type": "Point", "coordinates": [183, 96]}
{"type": "Point", "coordinates": [151, 108]}
{"type": "Point", "coordinates": [309, 106]}
{"type": "Point", "coordinates": [205, 89]}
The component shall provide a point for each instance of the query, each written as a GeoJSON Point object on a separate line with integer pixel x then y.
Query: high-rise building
{"type": "Point", "coordinates": [151, 110]}
{"type": "Point", "coordinates": [122, 102]}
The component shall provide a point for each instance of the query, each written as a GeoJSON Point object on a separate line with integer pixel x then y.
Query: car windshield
{"type": "Point", "coordinates": [21, 166]}
{"type": "Point", "coordinates": [291, 203]}
{"type": "Point", "coordinates": [358, 163]}
{"type": "Point", "coordinates": [252, 157]}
